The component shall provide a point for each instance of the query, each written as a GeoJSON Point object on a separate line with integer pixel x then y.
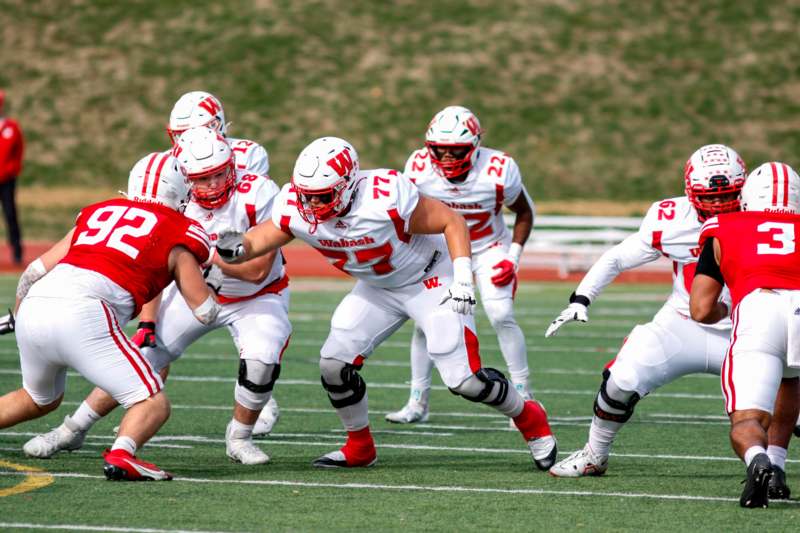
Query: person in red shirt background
{"type": "Point", "coordinates": [11, 148]}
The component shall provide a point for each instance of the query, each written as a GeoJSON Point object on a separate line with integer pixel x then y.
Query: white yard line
{"type": "Point", "coordinates": [414, 488]}
{"type": "Point", "coordinates": [86, 527]}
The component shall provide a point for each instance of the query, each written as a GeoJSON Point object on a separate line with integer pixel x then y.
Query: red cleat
{"type": "Point", "coordinates": [122, 466]}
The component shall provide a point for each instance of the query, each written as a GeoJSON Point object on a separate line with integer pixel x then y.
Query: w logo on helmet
{"type": "Point", "coordinates": [472, 125]}
{"type": "Point", "coordinates": [342, 163]}
{"type": "Point", "coordinates": [211, 105]}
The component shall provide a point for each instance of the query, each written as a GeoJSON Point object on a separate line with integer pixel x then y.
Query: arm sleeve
{"type": "Point", "coordinates": [707, 264]}
{"type": "Point", "coordinates": [258, 161]}
{"type": "Point", "coordinates": [630, 253]}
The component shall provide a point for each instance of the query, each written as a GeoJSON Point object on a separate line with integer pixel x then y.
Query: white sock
{"type": "Point", "coordinates": [125, 443]}
{"type": "Point", "coordinates": [84, 417]}
{"type": "Point", "coordinates": [241, 431]}
{"type": "Point", "coordinates": [602, 434]}
{"type": "Point", "coordinates": [777, 456]}
{"type": "Point", "coordinates": [751, 452]}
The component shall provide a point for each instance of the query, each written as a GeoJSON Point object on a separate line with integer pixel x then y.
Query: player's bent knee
{"type": "Point", "coordinates": [500, 312]}
{"type": "Point", "coordinates": [613, 403]}
{"type": "Point", "coordinates": [255, 383]}
{"type": "Point", "coordinates": [342, 382]}
{"type": "Point", "coordinates": [343, 344]}
{"type": "Point", "coordinates": [487, 385]}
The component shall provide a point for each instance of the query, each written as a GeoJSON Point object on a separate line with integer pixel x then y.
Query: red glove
{"type": "Point", "coordinates": [508, 271]}
{"type": "Point", "coordinates": [145, 336]}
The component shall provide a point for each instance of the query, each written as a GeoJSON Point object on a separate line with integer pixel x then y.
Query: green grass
{"type": "Point", "coordinates": [437, 476]}
{"type": "Point", "coordinates": [594, 99]}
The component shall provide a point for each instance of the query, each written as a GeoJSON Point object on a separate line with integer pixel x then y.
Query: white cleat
{"type": "Point", "coordinates": [267, 419]}
{"type": "Point", "coordinates": [544, 451]}
{"type": "Point", "coordinates": [581, 463]}
{"type": "Point", "coordinates": [64, 437]}
{"type": "Point", "coordinates": [243, 450]}
{"type": "Point", "coordinates": [411, 413]}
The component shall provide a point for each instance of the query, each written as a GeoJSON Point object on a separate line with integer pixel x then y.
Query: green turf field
{"type": "Point", "coordinates": [672, 468]}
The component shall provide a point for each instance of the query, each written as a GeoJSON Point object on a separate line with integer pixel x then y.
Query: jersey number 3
{"type": "Point", "coordinates": [115, 222]}
{"type": "Point", "coordinates": [782, 234]}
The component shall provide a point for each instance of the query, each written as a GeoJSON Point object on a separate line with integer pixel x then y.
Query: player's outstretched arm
{"type": "Point", "coordinates": [235, 247]}
{"type": "Point", "coordinates": [432, 216]}
{"type": "Point", "coordinates": [254, 270]}
{"type": "Point", "coordinates": [192, 285]}
{"type": "Point", "coordinates": [42, 265]}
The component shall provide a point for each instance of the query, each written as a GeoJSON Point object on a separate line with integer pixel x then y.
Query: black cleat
{"type": "Point", "coordinates": [756, 487]}
{"type": "Point", "coordinates": [778, 490]}
{"type": "Point", "coordinates": [797, 430]}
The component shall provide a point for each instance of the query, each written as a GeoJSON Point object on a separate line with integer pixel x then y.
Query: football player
{"type": "Point", "coordinates": [377, 227]}
{"type": "Point", "coordinates": [754, 254]}
{"type": "Point", "coordinates": [74, 300]}
{"type": "Point", "coordinates": [254, 299]}
{"type": "Point", "coordinates": [476, 182]}
{"type": "Point", "coordinates": [671, 345]}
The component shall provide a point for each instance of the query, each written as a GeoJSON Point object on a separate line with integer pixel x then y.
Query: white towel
{"type": "Point", "coordinates": [793, 334]}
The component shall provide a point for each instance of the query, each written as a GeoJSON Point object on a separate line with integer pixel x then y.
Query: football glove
{"type": "Point", "coordinates": [461, 296]}
{"type": "Point", "coordinates": [7, 323]}
{"type": "Point", "coordinates": [230, 245]}
{"type": "Point", "coordinates": [145, 336]}
{"type": "Point", "coordinates": [507, 273]}
{"type": "Point", "coordinates": [213, 276]}
{"type": "Point", "coordinates": [577, 310]}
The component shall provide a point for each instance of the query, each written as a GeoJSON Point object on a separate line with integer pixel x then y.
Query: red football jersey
{"type": "Point", "coordinates": [129, 243]}
{"type": "Point", "coordinates": [11, 148]}
{"type": "Point", "coordinates": [758, 250]}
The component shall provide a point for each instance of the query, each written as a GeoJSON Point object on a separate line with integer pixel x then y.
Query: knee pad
{"type": "Point", "coordinates": [256, 381]}
{"type": "Point", "coordinates": [487, 385]}
{"type": "Point", "coordinates": [613, 403]}
{"type": "Point", "coordinates": [500, 311]}
{"type": "Point", "coordinates": [342, 382]}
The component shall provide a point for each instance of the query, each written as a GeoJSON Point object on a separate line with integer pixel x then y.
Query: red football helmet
{"type": "Point", "coordinates": [714, 176]}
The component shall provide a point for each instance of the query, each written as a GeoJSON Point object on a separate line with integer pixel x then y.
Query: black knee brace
{"type": "Point", "coordinates": [258, 388]}
{"type": "Point", "coordinates": [489, 377]}
{"type": "Point", "coordinates": [351, 382]}
{"type": "Point", "coordinates": [626, 408]}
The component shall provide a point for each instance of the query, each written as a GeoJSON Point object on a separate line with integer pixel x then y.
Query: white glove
{"type": "Point", "coordinates": [574, 311]}
{"type": "Point", "coordinates": [230, 245]}
{"type": "Point", "coordinates": [460, 293]}
{"type": "Point", "coordinates": [213, 276]}
{"type": "Point", "coordinates": [7, 323]}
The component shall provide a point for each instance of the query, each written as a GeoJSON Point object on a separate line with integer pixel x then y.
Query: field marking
{"type": "Point", "coordinates": [83, 527]}
{"type": "Point", "coordinates": [427, 488]}
{"type": "Point", "coordinates": [31, 482]}
{"type": "Point", "coordinates": [382, 385]}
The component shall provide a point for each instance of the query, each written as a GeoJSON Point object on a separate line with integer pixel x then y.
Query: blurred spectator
{"type": "Point", "coordinates": [11, 146]}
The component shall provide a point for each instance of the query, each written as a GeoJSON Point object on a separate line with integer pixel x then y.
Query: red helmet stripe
{"type": "Point", "coordinates": [158, 173]}
{"type": "Point", "coordinates": [147, 173]}
{"type": "Point", "coordinates": [774, 184]}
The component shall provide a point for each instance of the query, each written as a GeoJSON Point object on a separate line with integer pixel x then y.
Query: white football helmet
{"type": "Point", "coordinates": [324, 178]}
{"type": "Point", "coordinates": [773, 187]}
{"type": "Point", "coordinates": [205, 154]}
{"type": "Point", "coordinates": [714, 176]}
{"type": "Point", "coordinates": [159, 178]}
{"type": "Point", "coordinates": [455, 127]}
{"type": "Point", "coordinates": [196, 108]}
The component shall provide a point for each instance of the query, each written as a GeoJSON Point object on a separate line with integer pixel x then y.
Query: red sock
{"type": "Point", "coordinates": [532, 421]}
{"type": "Point", "coordinates": [359, 448]}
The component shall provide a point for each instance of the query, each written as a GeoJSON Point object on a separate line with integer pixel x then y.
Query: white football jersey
{"type": "Point", "coordinates": [252, 202]}
{"type": "Point", "coordinates": [492, 182]}
{"type": "Point", "coordinates": [670, 229]}
{"type": "Point", "coordinates": [249, 156]}
{"type": "Point", "coordinates": [371, 241]}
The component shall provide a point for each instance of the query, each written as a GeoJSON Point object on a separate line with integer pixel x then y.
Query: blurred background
{"type": "Point", "coordinates": [600, 102]}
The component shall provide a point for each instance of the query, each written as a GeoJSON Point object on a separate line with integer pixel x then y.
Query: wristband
{"type": "Point", "coordinates": [514, 251]}
{"type": "Point", "coordinates": [579, 299]}
{"type": "Point", "coordinates": [144, 324]}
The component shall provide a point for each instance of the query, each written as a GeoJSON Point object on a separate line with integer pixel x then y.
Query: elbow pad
{"type": "Point", "coordinates": [207, 311]}
{"type": "Point", "coordinates": [33, 273]}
